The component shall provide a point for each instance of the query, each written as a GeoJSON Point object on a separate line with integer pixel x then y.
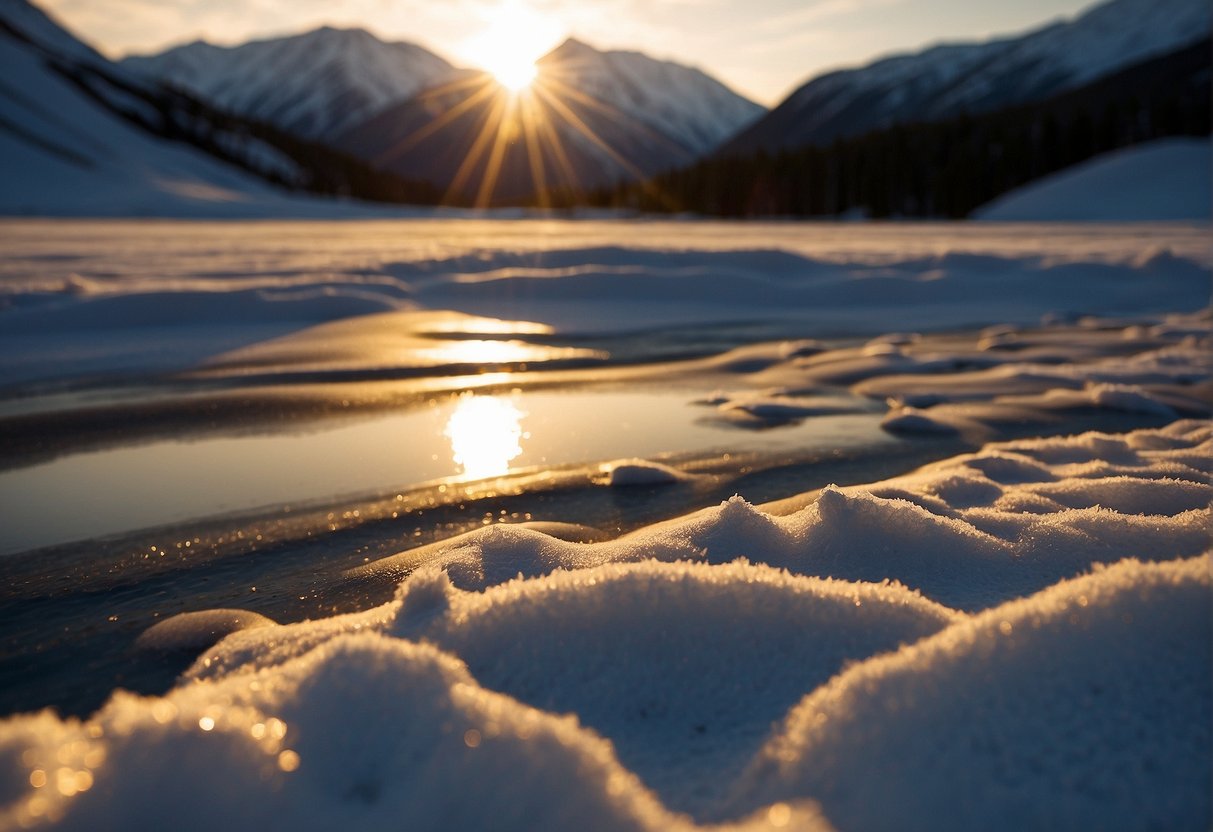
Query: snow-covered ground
{"type": "Point", "coordinates": [81, 299]}
{"type": "Point", "coordinates": [731, 665]}
{"type": "Point", "coordinates": [1013, 635]}
{"type": "Point", "coordinates": [1170, 179]}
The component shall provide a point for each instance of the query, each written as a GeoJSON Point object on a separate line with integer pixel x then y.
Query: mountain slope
{"type": "Point", "coordinates": [314, 85]}
{"type": "Point", "coordinates": [589, 119]}
{"type": "Point", "coordinates": [681, 102]}
{"type": "Point", "coordinates": [80, 136]}
{"type": "Point", "coordinates": [949, 80]}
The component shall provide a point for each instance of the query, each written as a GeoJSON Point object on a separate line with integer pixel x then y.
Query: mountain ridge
{"type": "Point", "coordinates": [945, 80]}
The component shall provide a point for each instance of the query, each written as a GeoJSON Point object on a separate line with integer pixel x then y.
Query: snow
{"type": "Point", "coordinates": [196, 631]}
{"type": "Point", "coordinates": [948, 79]}
{"type": "Point", "coordinates": [1170, 179]}
{"type": "Point", "coordinates": [729, 666]}
{"type": "Point", "coordinates": [678, 101]}
{"type": "Point", "coordinates": [67, 155]}
{"type": "Point", "coordinates": [630, 472]}
{"type": "Point", "coordinates": [316, 84]}
{"type": "Point", "coordinates": [1087, 705]}
{"type": "Point", "coordinates": [205, 291]}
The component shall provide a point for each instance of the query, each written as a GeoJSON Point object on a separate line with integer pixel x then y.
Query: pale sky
{"type": "Point", "coordinates": [761, 48]}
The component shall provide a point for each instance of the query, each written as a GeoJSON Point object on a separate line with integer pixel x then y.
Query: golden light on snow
{"type": "Point", "coordinates": [485, 434]}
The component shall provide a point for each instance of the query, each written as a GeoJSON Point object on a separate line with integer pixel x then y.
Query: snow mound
{"type": "Point", "coordinates": [623, 647]}
{"type": "Point", "coordinates": [1170, 179]}
{"type": "Point", "coordinates": [288, 751]}
{"type": "Point", "coordinates": [1086, 706]}
{"type": "Point", "coordinates": [628, 472]}
{"type": "Point", "coordinates": [197, 631]}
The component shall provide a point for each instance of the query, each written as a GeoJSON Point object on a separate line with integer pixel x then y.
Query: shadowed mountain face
{"type": "Point", "coordinates": [954, 79]}
{"type": "Point", "coordinates": [589, 119]}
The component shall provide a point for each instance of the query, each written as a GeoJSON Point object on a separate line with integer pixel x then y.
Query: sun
{"type": "Point", "coordinates": [514, 75]}
{"type": "Point", "coordinates": [512, 37]}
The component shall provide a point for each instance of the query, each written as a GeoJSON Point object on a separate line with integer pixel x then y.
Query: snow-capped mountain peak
{"type": "Point", "coordinates": [314, 84]}
{"type": "Point", "coordinates": [680, 101]}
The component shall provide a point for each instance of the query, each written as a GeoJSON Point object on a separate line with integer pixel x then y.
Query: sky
{"type": "Point", "coordinates": [761, 48]}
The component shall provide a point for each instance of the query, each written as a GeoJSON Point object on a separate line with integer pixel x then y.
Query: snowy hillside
{"type": "Point", "coordinates": [682, 102]}
{"type": "Point", "coordinates": [315, 84]}
{"type": "Point", "coordinates": [947, 80]}
{"type": "Point", "coordinates": [66, 151]}
{"type": "Point", "coordinates": [1163, 180]}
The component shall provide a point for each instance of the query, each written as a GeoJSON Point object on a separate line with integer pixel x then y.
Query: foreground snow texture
{"type": "Point", "coordinates": [1002, 680]}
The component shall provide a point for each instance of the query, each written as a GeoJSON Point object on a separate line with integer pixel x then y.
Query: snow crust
{"type": "Point", "coordinates": [1004, 679]}
{"type": "Point", "coordinates": [1169, 179]}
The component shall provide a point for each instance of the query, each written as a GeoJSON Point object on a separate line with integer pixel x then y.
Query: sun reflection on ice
{"type": "Point", "coordinates": [486, 435]}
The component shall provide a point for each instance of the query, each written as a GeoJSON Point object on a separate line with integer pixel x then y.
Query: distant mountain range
{"type": "Point", "coordinates": [603, 116]}
{"type": "Point", "coordinates": [946, 81]}
{"type": "Point", "coordinates": [590, 118]}
{"type": "Point", "coordinates": [315, 85]}
{"type": "Point", "coordinates": [340, 112]}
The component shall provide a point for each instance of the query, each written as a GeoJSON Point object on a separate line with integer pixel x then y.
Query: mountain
{"type": "Point", "coordinates": [950, 80]}
{"type": "Point", "coordinates": [950, 167]}
{"type": "Point", "coordinates": [315, 85]}
{"type": "Point", "coordinates": [590, 118]}
{"type": "Point", "coordinates": [81, 136]}
{"type": "Point", "coordinates": [678, 101]}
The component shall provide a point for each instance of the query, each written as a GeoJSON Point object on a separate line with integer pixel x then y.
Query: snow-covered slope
{"type": "Point", "coordinates": [315, 84]}
{"type": "Point", "coordinates": [947, 80]}
{"type": "Point", "coordinates": [682, 102]}
{"type": "Point", "coordinates": [66, 152]}
{"type": "Point", "coordinates": [1171, 179]}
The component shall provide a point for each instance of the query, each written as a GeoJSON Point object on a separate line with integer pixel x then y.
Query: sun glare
{"type": "Point", "coordinates": [513, 38]}
{"type": "Point", "coordinates": [514, 76]}
{"type": "Point", "coordinates": [485, 434]}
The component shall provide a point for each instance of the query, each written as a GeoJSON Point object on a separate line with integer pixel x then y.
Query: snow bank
{"type": "Point", "coordinates": [362, 732]}
{"type": "Point", "coordinates": [969, 532]}
{"type": "Point", "coordinates": [1169, 179]}
{"type": "Point", "coordinates": [1085, 706]}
